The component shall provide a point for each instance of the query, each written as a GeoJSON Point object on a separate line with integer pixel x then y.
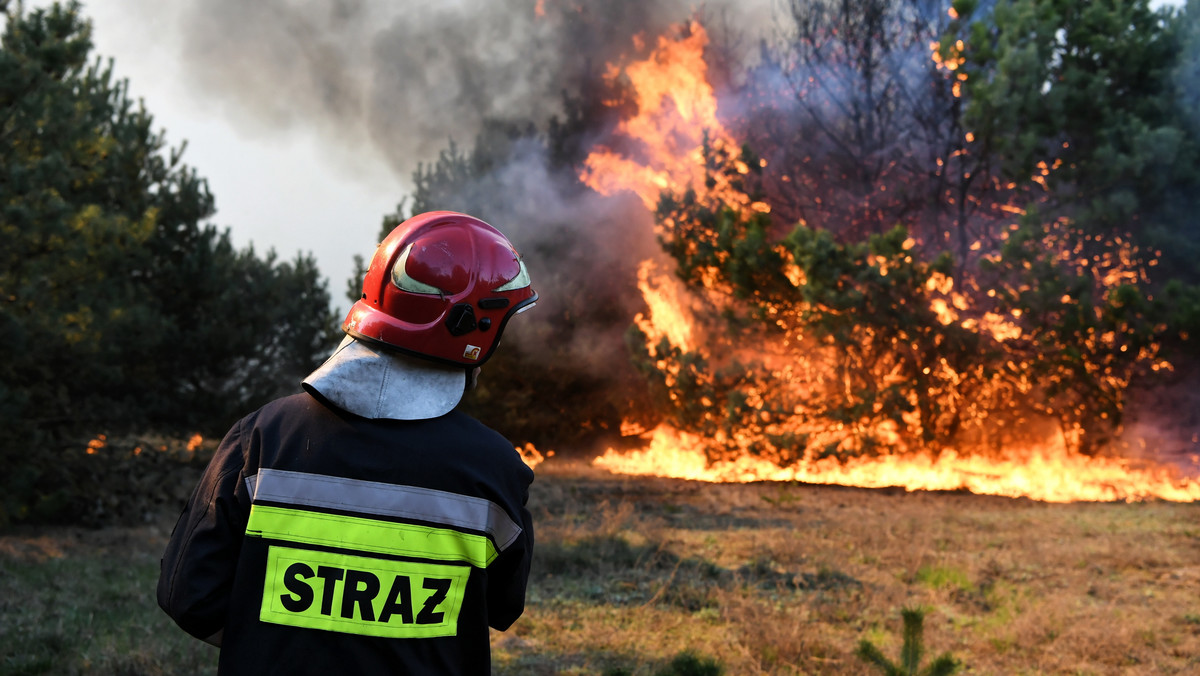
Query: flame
{"type": "Point", "coordinates": [676, 119]}
{"type": "Point", "coordinates": [676, 123]}
{"type": "Point", "coordinates": [531, 456]}
{"type": "Point", "coordinates": [675, 106]}
{"type": "Point", "coordinates": [669, 317]}
{"type": "Point", "coordinates": [94, 446]}
{"type": "Point", "coordinates": [1046, 473]}
{"type": "Point", "coordinates": [194, 442]}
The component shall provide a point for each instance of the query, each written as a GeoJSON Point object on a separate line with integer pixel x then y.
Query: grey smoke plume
{"type": "Point", "coordinates": [399, 78]}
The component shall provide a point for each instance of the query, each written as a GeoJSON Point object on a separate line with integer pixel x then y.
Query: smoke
{"type": "Point", "coordinates": [401, 78]}
{"type": "Point", "coordinates": [582, 250]}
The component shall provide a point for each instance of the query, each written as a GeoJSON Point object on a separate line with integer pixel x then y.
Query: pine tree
{"type": "Point", "coordinates": [121, 307]}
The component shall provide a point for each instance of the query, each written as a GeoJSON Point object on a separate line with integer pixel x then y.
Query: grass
{"type": "Point", "coordinates": [654, 576]}
{"type": "Point", "coordinates": [76, 601]}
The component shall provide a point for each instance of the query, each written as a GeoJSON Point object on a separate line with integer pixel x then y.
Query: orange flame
{"type": "Point", "coordinates": [669, 317]}
{"type": "Point", "coordinates": [676, 118]}
{"type": "Point", "coordinates": [531, 456]}
{"type": "Point", "coordinates": [1047, 473]}
{"type": "Point", "coordinates": [94, 446]}
{"type": "Point", "coordinates": [675, 106]}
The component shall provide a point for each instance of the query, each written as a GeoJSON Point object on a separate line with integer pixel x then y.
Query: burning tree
{"type": "Point", "coordinates": [865, 337]}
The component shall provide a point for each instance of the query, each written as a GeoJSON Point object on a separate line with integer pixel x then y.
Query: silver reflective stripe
{"type": "Point", "coordinates": [372, 497]}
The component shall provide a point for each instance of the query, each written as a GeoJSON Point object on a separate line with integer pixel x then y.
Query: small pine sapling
{"type": "Point", "coordinates": [910, 653]}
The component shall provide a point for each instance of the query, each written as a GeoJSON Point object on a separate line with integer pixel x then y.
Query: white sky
{"type": "Point", "coordinates": [273, 189]}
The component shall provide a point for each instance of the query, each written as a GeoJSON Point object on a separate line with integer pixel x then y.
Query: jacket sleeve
{"type": "Point", "coordinates": [197, 569]}
{"type": "Point", "coordinates": [508, 576]}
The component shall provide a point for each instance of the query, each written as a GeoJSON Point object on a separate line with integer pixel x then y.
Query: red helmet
{"type": "Point", "coordinates": [442, 286]}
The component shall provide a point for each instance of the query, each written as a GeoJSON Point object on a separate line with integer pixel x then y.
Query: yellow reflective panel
{"type": "Point", "coordinates": [369, 535]}
{"type": "Point", "coordinates": [361, 595]}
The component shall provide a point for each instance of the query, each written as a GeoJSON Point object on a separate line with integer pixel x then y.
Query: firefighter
{"type": "Point", "coordinates": [365, 525]}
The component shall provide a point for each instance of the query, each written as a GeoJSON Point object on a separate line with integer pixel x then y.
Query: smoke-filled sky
{"type": "Point", "coordinates": [308, 117]}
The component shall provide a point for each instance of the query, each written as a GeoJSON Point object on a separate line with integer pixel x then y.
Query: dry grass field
{"type": "Point", "coordinates": [788, 578]}
{"type": "Point", "coordinates": [632, 573]}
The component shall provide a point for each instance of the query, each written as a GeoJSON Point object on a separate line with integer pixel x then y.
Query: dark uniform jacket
{"type": "Point", "coordinates": [321, 542]}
